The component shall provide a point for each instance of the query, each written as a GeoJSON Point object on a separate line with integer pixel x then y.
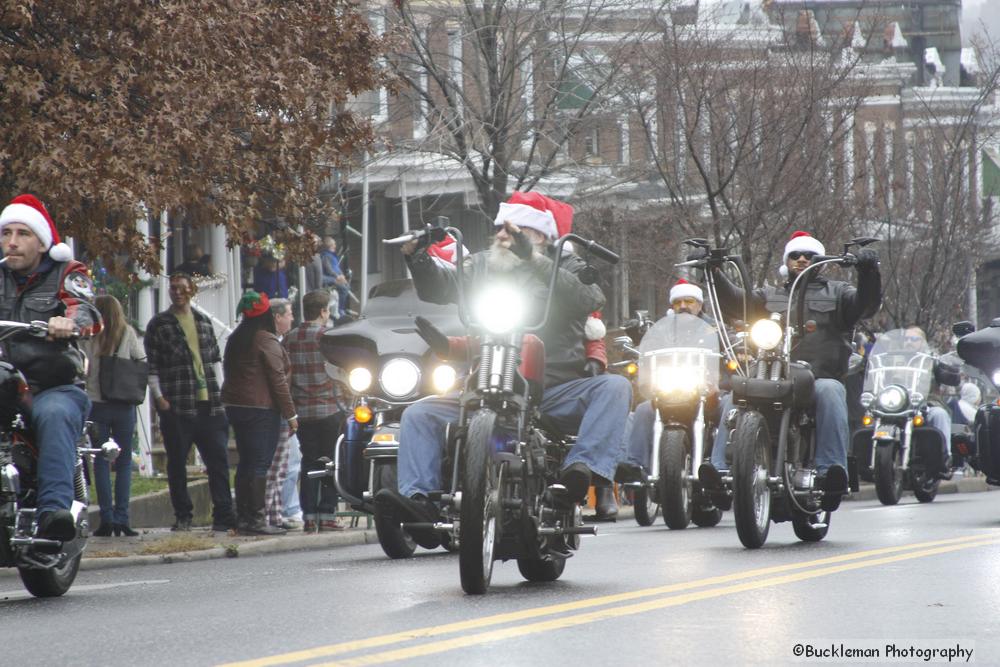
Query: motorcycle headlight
{"type": "Point", "coordinates": [359, 379]}
{"type": "Point", "coordinates": [500, 309]}
{"type": "Point", "coordinates": [893, 399]}
{"type": "Point", "coordinates": [766, 334]}
{"type": "Point", "coordinates": [996, 378]}
{"type": "Point", "coordinates": [678, 380]}
{"type": "Point", "coordinates": [399, 378]}
{"type": "Point", "coordinates": [443, 379]}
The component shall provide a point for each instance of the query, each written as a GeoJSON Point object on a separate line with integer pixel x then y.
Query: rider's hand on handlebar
{"type": "Point", "coordinates": [867, 259]}
{"type": "Point", "coordinates": [410, 247]}
{"type": "Point", "coordinates": [61, 327]}
{"type": "Point", "coordinates": [520, 243]}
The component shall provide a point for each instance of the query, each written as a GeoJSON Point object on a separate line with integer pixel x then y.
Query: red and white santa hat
{"type": "Point", "coordinates": [683, 289]}
{"type": "Point", "coordinates": [28, 210]}
{"type": "Point", "coordinates": [800, 242]}
{"type": "Point", "coordinates": [538, 212]}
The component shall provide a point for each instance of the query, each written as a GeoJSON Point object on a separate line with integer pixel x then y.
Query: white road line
{"type": "Point", "coordinates": [21, 593]}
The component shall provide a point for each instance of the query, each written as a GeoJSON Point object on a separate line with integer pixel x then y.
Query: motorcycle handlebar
{"type": "Point", "coordinates": [602, 252]}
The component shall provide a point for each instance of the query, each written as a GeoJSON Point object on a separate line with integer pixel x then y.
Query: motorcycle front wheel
{"type": "Point", "coordinates": [888, 478]}
{"type": "Point", "coordinates": [675, 490]}
{"type": "Point", "coordinates": [751, 467]}
{"type": "Point", "coordinates": [480, 505]}
{"type": "Point", "coordinates": [644, 505]}
{"type": "Point", "coordinates": [395, 542]}
{"type": "Point", "coordinates": [50, 583]}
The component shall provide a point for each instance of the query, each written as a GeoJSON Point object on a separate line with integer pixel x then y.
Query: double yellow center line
{"type": "Point", "coordinates": [575, 613]}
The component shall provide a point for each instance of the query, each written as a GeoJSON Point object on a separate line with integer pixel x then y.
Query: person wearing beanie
{"type": "Point", "coordinates": [40, 281]}
{"type": "Point", "coordinates": [596, 407]}
{"type": "Point", "coordinates": [257, 396]}
{"type": "Point", "coordinates": [832, 309]}
{"type": "Point", "coordinates": [185, 372]}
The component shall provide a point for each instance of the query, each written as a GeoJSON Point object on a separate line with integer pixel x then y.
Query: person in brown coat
{"type": "Point", "coordinates": [256, 395]}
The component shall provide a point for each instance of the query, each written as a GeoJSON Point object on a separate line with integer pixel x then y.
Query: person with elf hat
{"type": "Point", "coordinates": [832, 309]}
{"type": "Point", "coordinates": [39, 280]}
{"type": "Point", "coordinates": [595, 407]}
{"type": "Point", "coordinates": [257, 397]}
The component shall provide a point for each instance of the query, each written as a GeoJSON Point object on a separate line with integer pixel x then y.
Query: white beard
{"type": "Point", "coordinates": [501, 259]}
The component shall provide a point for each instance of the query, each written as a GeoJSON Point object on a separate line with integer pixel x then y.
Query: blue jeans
{"type": "Point", "coordinates": [290, 506]}
{"type": "Point", "coordinates": [639, 435]}
{"type": "Point", "coordinates": [57, 416]}
{"type": "Point", "coordinates": [940, 419]}
{"type": "Point", "coordinates": [257, 431]}
{"type": "Point", "coordinates": [114, 420]}
{"type": "Point", "coordinates": [595, 408]}
{"type": "Point", "coordinates": [832, 433]}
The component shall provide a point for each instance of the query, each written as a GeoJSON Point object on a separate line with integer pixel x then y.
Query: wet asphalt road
{"type": "Point", "coordinates": [926, 576]}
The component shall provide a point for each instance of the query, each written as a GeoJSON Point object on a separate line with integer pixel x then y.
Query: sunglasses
{"type": "Point", "coordinates": [913, 339]}
{"type": "Point", "coordinates": [795, 254]}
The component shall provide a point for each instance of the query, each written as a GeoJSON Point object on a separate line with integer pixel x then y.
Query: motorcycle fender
{"type": "Point", "coordinates": [384, 442]}
{"type": "Point", "coordinates": [887, 434]}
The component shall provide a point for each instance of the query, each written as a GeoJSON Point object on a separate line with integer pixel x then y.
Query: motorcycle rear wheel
{"type": "Point", "coordinates": [644, 505]}
{"type": "Point", "coordinates": [925, 491]}
{"type": "Point", "coordinates": [50, 583]}
{"type": "Point", "coordinates": [675, 490]}
{"type": "Point", "coordinates": [751, 467]}
{"type": "Point", "coordinates": [805, 528]}
{"type": "Point", "coordinates": [480, 524]}
{"type": "Point", "coordinates": [395, 542]}
{"type": "Point", "coordinates": [538, 569]}
{"type": "Point", "coordinates": [888, 478]}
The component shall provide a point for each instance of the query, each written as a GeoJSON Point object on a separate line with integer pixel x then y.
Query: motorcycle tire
{"type": "Point", "coordinates": [751, 444]}
{"type": "Point", "coordinates": [674, 489]}
{"type": "Point", "coordinates": [538, 569]}
{"type": "Point", "coordinates": [805, 526]}
{"type": "Point", "coordinates": [888, 478]}
{"type": "Point", "coordinates": [395, 542]}
{"type": "Point", "coordinates": [50, 583]}
{"type": "Point", "coordinates": [480, 512]}
{"type": "Point", "coordinates": [926, 491]}
{"type": "Point", "coordinates": [644, 505]}
{"type": "Point", "coordinates": [706, 517]}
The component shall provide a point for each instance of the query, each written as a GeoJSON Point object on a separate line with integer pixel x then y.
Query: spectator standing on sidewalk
{"type": "Point", "coordinates": [113, 419]}
{"type": "Point", "coordinates": [333, 276]}
{"type": "Point", "coordinates": [184, 372]}
{"type": "Point", "coordinates": [256, 397]}
{"type": "Point", "coordinates": [282, 503]}
{"type": "Point", "coordinates": [317, 399]}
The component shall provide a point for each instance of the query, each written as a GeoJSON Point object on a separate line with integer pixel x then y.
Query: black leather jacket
{"type": "Point", "coordinates": [56, 289]}
{"type": "Point", "coordinates": [572, 302]}
{"type": "Point", "coordinates": [835, 307]}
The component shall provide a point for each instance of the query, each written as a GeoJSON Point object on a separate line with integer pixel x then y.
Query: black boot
{"type": "Point", "coordinates": [607, 508]}
{"type": "Point", "coordinates": [257, 524]}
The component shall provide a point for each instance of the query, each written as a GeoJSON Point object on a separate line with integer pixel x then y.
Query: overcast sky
{"type": "Point", "coordinates": [976, 13]}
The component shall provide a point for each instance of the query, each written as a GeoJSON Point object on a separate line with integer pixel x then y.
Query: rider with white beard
{"type": "Point", "coordinates": [594, 407]}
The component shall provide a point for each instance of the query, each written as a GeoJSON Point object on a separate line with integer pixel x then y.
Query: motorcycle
{"type": "Point", "coordinates": [502, 458]}
{"type": "Point", "coordinates": [679, 373]}
{"type": "Point", "coordinates": [901, 449]}
{"type": "Point", "coordinates": [981, 350]}
{"type": "Point", "coordinates": [389, 368]}
{"type": "Point", "coordinates": [773, 438]}
{"type": "Point", "coordinates": [47, 567]}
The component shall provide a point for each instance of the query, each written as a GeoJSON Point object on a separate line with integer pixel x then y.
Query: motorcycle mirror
{"type": "Point", "coordinates": [697, 242]}
{"type": "Point", "coordinates": [963, 328]}
{"type": "Point", "coordinates": [588, 275]}
{"type": "Point", "coordinates": [862, 241]}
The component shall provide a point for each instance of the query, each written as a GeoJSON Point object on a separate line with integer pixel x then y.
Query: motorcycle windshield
{"type": "Point", "coordinates": [896, 360]}
{"type": "Point", "coordinates": [679, 354]}
{"type": "Point", "coordinates": [987, 390]}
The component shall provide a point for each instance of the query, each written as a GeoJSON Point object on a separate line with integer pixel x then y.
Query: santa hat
{"type": "Point", "coordinates": [800, 242]}
{"type": "Point", "coordinates": [443, 252]}
{"type": "Point", "coordinates": [529, 209]}
{"type": "Point", "coordinates": [28, 210]}
{"type": "Point", "coordinates": [594, 329]}
{"type": "Point", "coordinates": [683, 289]}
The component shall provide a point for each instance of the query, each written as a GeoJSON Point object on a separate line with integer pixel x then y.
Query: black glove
{"type": "Point", "coordinates": [520, 243]}
{"type": "Point", "coordinates": [593, 368]}
{"type": "Point", "coordinates": [437, 341]}
{"type": "Point", "coordinates": [867, 260]}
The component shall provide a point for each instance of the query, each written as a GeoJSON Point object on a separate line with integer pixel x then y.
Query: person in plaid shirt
{"type": "Point", "coordinates": [184, 372]}
{"type": "Point", "coordinates": [316, 397]}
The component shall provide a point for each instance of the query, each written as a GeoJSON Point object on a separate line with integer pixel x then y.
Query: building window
{"type": "Point", "coordinates": [591, 142]}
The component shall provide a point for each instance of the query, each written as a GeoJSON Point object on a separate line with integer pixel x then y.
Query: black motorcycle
{"type": "Point", "coordinates": [389, 367]}
{"type": "Point", "coordinates": [981, 350]}
{"type": "Point", "coordinates": [773, 438]}
{"type": "Point", "coordinates": [47, 567]}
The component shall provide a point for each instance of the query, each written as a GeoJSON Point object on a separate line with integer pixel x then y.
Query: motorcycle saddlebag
{"type": "Point", "coordinates": [798, 391]}
{"type": "Point", "coordinates": [987, 430]}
